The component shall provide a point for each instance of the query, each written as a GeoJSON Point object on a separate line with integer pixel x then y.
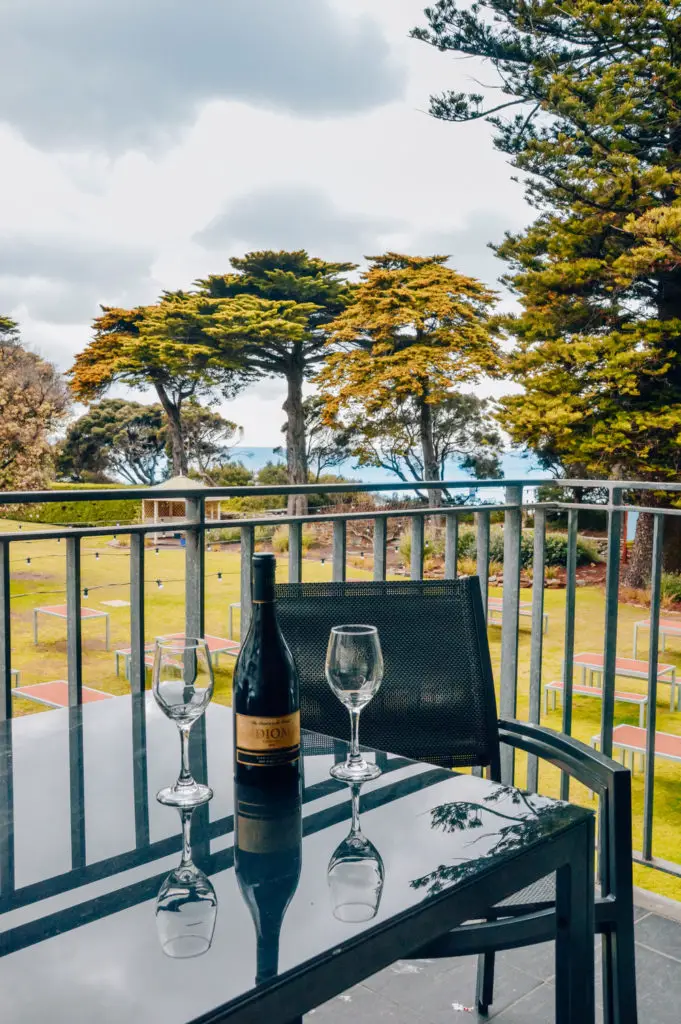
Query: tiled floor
{"type": "Point", "coordinates": [443, 991]}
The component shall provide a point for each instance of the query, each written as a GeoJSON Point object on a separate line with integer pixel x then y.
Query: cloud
{"type": "Point", "coordinates": [63, 280]}
{"type": "Point", "coordinates": [468, 245]}
{"type": "Point", "coordinates": [296, 217]}
{"type": "Point", "coordinates": [115, 74]}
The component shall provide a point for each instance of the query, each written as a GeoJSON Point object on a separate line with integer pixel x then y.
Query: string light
{"type": "Point", "coordinates": [323, 560]}
{"type": "Point", "coordinates": [159, 584]}
{"type": "Point", "coordinates": [28, 561]}
{"type": "Point", "coordinates": [86, 592]}
{"type": "Point", "coordinates": [155, 551]}
{"type": "Point", "coordinates": [219, 577]}
{"type": "Point", "coordinates": [96, 556]}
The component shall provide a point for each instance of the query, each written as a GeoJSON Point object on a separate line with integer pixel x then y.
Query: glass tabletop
{"type": "Point", "coordinates": [89, 910]}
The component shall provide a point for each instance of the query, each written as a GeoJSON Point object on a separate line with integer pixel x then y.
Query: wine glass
{"type": "Point", "coordinates": [186, 905]}
{"type": "Point", "coordinates": [355, 873]}
{"type": "Point", "coordinates": [354, 670]}
{"type": "Point", "coordinates": [183, 687]}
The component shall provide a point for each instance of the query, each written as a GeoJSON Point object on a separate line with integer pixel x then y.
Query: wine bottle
{"type": "Point", "coordinates": [266, 701]}
{"type": "Point", "coordinates": [267, 859]}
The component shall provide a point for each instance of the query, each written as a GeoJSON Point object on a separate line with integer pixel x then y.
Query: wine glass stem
{"type": "Point", "coordinates": [185, 778]}
{"type": "Point", "coordinates": [186, 816]}
{"type": "Point", "coordinates": [354, 757]}
{"type": "Point", "coordinates": [354, 790]}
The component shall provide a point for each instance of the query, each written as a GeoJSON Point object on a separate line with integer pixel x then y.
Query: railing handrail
{"type": "Point", "coordinates": [255, 490]}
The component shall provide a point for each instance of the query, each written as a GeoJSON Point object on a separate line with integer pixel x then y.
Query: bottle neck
{"type": "Point", "coordinates": [268, 952]}
{"type": "Point", "coordinates": [263, 587]}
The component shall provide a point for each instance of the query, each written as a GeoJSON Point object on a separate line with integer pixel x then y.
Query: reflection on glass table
{"type": "Point", "coordinates": [186, 905]}
{"type": "Point", "coordinates": [355, 873]}
{"type": "Point", "coordinates": [267, 861]}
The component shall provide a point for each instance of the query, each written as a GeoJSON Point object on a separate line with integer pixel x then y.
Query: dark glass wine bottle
{"type": "Point", "coordinates": [266, 701]}
{"type": "Point", "coordinates": [267, 862]}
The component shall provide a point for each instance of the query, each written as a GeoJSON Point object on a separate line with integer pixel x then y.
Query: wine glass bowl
{"type": "Point", "coordinates": [182, 685]}
{"type": "Point", "coordinates": [354, 671]}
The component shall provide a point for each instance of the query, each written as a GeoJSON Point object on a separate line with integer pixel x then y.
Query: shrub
{"type": "Point", "coordinates": [405, 546]}
{"type": "Point", "coordinates": [94, 513]}
{"type": "Point", "coordinates": [496, 568]}
{"type": "Point", "coordinates": [670, 586]}
{"type": "Point", "coordinates": [556, 548]}
{"type": "Point", "coordinates": [280, 539]}
{"type": "Point", "coordinates": [466, 567]}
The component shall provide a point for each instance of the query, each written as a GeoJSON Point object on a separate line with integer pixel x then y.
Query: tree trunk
{"type": "Point", "coordinates": [637, 571]}
{"type": "Point", "coordinates": [296, 449]}
{"type": "Point", "coordinates": [177, 448]}
{"type": "Point", "coordinates": [431, 469]}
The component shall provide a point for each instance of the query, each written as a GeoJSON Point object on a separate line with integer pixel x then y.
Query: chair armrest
{"type": "Point", "coordinates": [603, 775]}
{"type": "Point", "coordinates": [588, 766]}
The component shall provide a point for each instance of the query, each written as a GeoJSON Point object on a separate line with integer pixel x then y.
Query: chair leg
{"type": "Point", "coordinates": [485, 986]}
{"type": "Point", "coordinates": [619, 977]}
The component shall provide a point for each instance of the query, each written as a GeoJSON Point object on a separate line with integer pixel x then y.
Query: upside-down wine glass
{"type": "Point", "coordinates": [355, 873]}
{"type": "Point", "coordinates": [354, 670]}
{"type": "Point", "coordinates": [186, 905]}
{"type": "Point", "coordinates": [183, 687]}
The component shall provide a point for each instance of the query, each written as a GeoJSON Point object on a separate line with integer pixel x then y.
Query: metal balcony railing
{"type": "Point", "coordinates": [519, 497]}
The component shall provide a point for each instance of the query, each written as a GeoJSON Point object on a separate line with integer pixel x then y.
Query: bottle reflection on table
{"type": "Point", "coordinates": [268, 854]}
{"type": "Point", "coordinates": [355, 873]}
{"type": "Point", "coordinates": [186, 905]}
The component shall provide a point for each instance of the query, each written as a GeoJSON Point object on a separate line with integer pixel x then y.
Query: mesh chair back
{"type": "Point", "coordinates": [437, 699]}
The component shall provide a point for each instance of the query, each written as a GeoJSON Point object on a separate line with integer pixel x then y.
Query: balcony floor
{"type": "Point", "coordinates": [443, 991]}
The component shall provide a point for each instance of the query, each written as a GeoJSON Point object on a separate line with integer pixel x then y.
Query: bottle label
{"type": "Point", "coordinates": [259, 830]}
{"type": "Point", "coordinates": [267, 742]}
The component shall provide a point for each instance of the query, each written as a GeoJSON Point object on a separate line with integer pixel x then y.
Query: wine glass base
{"type": "Point", "coordinates": [185, 796]}
{"type": "Point", "coordinates": [362, 772]}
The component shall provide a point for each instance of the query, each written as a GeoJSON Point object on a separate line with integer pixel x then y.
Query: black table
{"type": "Point", "coordinates": [84, 848]}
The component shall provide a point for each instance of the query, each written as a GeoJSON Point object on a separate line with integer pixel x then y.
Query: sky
{"type": "Point", "coordinates": [145, 143]}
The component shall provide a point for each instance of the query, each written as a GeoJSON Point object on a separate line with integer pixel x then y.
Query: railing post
{"type": "Point", "coordinates": [537, 641]}
{"type": "Point", "coordinates": [6, 811]}
{"type": "Point", "coordinates": [77, 787]}
{"type": "Point", "coordinates": [295, 552]}
{"type": "Point", "coordinates": [416, 566]}
{"type": "Point", "coordinates": [137, 638]}
{"type": "Point", "coordinates": [5, 635]}
{"type": "Point", "coordinates": [655, 587]}
{"type": "Point", "coordinates": [482, 556]}
{"type": "Point", "coordinates": [451, 544]}
{"type": "Point", "coordinates": [509, 623]}
{"type": "Point", "coordinates": [611, 610]}
{"type": "Point", "coordinates": [247, 550]}
{"type": "Point", "coordinates": [140, 773]}
{"type": "Point", "coordinates": [380, 547]}
{"type": "Point", "coordinates": [74, 650]}
{"type": "Point", "coordinates": [569, 646]}
{"type": "Point", "coordinates": [195, 579]}
{"type": "Point", "coordinates": [339, 550]}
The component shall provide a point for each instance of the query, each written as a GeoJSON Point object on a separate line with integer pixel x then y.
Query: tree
{"type": "Point", "coordinates": [231, 474]}
{"type": "Point", "coordinates": [415, 331]}
{"type": "Point", "coordinates": [207, 438]}
{"type": "Point", "coordinates": [125, 439]}
{"type": "Point", "coordinates": [161, 347]}
{"type": "Point", "coordinates": [597, 140]}
{"type": "Point", "coordinates": [326, 447]}
{"type": "Point", "coordinates": [463, 431]}
{"type": "Point", "coordinates": [34, 400]}
{"type": "Point", "coordinates": [277, 307]}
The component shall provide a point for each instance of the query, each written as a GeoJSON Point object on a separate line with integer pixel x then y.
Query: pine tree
{"type": "Point", "coordinates": [596, 137]}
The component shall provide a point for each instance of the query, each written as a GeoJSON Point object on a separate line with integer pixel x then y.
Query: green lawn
{"type": "Point", "coordinates": [34, 584]}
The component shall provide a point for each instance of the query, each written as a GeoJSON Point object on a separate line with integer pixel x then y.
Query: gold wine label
{"type": "Point", "coordinates": [258, 734]}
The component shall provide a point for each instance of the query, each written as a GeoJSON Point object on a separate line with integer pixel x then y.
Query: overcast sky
{"type": "Point", "coordinates": [143, 144]}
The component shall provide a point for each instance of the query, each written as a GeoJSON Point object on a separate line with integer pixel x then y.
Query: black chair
{"type": "Point", "coordinates": [437, 704]}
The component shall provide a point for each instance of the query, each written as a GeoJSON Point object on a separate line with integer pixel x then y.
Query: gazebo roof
{"type": "Point", "coordinates": [179, 483]}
